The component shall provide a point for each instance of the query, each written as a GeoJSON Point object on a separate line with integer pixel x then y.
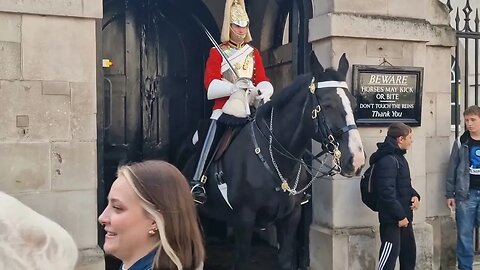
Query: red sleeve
{"type": "Point", "coordinates": [213, 67]}
{"type": "Point", "coordinates": [259, 74]}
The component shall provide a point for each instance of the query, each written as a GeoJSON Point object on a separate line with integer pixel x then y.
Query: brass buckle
{"type": "Point", "coordinates": [312, 87]}
{"type": "Point", "coordinates": [337, 154]}
{"type": "Point", "coordinates": [285, 187]}
{"type": "Point", "coordinates": [316, 112]}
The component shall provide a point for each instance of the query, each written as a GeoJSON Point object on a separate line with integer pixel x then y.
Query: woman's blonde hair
{"type": "Point", "coordinates": [165, 196]}
{"type": "Point", "coordinates": [29, 240]}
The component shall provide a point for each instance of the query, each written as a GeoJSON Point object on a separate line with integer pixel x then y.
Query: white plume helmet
{"type": "Point", "coordinates": [235, 13]}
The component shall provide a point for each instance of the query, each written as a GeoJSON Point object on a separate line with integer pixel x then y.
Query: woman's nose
{"type": "Point", "coordinates": [102, 219]}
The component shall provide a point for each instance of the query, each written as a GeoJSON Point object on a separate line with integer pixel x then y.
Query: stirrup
{"type": "Point", "coordinates": [305, 198]}
{"type": "Point", "coordinates": [199, 194]}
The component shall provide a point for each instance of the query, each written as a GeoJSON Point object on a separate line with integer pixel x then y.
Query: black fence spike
{"type": "Point", "coordinates": [467, 10]}
{"type": "Point", "coordinates": [477, 21]}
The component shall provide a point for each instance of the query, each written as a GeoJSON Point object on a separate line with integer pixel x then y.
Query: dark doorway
{"type": "Point", "coordinates": [153, 93]}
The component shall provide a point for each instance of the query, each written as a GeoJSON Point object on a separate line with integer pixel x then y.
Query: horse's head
{"type": "Point", "coordinates": [333, 116]}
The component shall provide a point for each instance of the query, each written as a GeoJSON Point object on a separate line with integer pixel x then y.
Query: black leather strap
{"type": "Point", "coordinates": [259, 154]}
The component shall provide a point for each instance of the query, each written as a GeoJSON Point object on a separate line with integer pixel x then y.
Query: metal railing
{"type": "Point", "coordinates": [467, 25]}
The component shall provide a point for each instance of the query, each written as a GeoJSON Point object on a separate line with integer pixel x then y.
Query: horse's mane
{"type": "Point", "coordinates": [284, 96]}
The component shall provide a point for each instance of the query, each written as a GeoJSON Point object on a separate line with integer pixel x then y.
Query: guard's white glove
{"type": "Point", "coordinates": [242, 84]}
{"type": "Point", "coordinates": [252, 95]}
{"type": "Point", "coordinates": [266, 91]}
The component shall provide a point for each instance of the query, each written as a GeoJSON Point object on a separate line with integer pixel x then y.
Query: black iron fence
{"type": "Point", "coordinates": [465, 69]}
{"type": "Point", "coordinates": [465, 65]}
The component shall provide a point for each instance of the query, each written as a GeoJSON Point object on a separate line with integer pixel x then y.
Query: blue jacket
{"type": "Point", "coordinates": [458, 174]}
{"type": "Point", "coordinates": [145, 263]}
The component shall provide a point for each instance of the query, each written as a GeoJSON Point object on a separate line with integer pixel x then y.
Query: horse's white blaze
{"type": "Point", "coordinates": [354, 140]}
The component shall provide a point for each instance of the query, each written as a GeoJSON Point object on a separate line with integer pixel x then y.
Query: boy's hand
{"type": "Point", "coordinates": [415, 203]}
{"type": "Point", "coordinates": [403, 223]}
{"type": "Point", "coordinates": [451, 203]}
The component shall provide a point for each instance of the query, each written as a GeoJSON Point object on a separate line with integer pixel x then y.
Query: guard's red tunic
{"type": "Point", "coordinates": [213, 71]}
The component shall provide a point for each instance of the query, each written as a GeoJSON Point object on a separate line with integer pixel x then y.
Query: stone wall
{"type": "Point", "coordinates": [405, 33]}
{"type": "Point", "coordinates": [48, 121]}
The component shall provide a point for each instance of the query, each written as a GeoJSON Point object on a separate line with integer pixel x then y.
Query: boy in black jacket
{"type": "Point", "coordinates": [396, 199]}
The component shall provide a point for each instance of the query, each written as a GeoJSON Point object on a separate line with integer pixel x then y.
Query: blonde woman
{"type": "Point", "coordinates": [29, 240]}
{"type": "Point", "coordinates": [151, 220]}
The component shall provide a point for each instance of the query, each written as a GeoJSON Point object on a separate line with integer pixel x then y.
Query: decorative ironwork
{"type": "Point", "coordinates": [467, 10]}
{"type": "Point", "coordinates": [477, 21]}
{"type": "Point", "coordinates": [457, 20]}
{"type": "Point", "coordinates": [467, 36]}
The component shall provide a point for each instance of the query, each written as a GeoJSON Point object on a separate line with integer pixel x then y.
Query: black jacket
{"type": "Point", "coordinates": [392, 182]}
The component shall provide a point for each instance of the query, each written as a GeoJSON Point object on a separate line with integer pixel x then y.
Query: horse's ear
{"type": "Point", "coordinates": [315, 65]}
{"type": "Point", "coordinates": [343, 65]}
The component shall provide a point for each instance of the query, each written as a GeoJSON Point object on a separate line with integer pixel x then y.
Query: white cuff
{"type": "Point", "coordinates": [219, 89]}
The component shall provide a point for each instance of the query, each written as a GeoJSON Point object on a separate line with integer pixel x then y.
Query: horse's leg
{"type": "Point", "coordinates": [286, 234]}
{"type": "Point", "coordinates": [243, 229]}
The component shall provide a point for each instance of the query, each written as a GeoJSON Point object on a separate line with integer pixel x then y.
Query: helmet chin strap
{"type": "Point", "coordinates": [236, 37]}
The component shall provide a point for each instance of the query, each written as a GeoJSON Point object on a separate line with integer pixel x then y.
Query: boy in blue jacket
{"type": "Point", "coordinates": [463, 186]}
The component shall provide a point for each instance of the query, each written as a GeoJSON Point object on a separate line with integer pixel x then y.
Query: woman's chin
{"type": "Point", "coordinates": [109, 248]}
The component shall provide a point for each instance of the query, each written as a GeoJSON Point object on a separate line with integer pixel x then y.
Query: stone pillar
{"type": "Point", "coordinates": [48, 121]}
{"type": "Point", "coordinates": [344, 234]}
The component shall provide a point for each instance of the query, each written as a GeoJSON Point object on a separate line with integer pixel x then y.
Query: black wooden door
{"type": "Point", "coordinates": [153, 94]}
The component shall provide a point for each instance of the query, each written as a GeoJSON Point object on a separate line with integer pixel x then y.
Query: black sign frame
{"type": "Point", "coordinates": [366, 104]}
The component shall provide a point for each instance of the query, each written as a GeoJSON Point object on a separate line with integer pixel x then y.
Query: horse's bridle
{"type": "Point", "coordinates": [329, 140]}
{"type": "Point", "coordinates": [320, 123]}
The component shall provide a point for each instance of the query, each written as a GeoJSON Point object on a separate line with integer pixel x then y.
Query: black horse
{"type": "Point", "coordinates": [263, 166]}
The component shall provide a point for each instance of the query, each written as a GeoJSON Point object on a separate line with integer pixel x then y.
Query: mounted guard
{"type": "Point", "coordinates": [267, 166]}
{"type": "Point", "coordinates": [234, 69]}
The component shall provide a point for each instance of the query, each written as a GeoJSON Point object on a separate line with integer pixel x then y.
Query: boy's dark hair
{"type": "Point", "coordinates": [398, 129]}
{"type": "Point", "coordinates": [472, 110]}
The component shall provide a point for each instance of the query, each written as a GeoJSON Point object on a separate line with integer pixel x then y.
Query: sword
{"type": "Point", "coordinates": [215, 44]}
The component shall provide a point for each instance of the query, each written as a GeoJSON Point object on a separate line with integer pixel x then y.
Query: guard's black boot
{"type": "Point", "coordinates": [305, 198]}
{"type": "Point", "coordinates": [198, 192]}
{"type": "Point", "coordinates": [199, 178]}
